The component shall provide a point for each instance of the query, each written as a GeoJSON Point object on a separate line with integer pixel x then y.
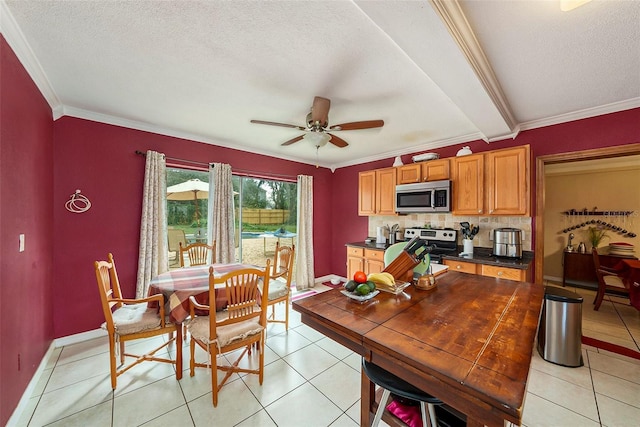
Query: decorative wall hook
{"type": "Point", "coordinates": [78, 203]}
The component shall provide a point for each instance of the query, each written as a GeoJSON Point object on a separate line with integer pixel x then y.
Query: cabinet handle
{"type": "Point", "coordinates": [479, 210]}
{"type": "Point", "coordinates": [458, 266]}
{"type": "Point", "coordinates": [499, 273]}
{"type": "Point", "coordinates": [491, 211]}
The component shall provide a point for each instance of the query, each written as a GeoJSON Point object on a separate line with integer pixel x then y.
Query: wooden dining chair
{"type": "Point", "coordinates": [199, 253]}
{"type": "Point", "coordinates": [132, 319]}
{"type": "Point", "coordinates": [239, 326]}
{"type": "Point", "coordinates": [280, 284]}
{"type": "Point", "coordinates": [609, 281]}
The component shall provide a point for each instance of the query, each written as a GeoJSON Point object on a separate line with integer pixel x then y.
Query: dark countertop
{"type": "Point", "coordinates": [480, 256]}
{"type": "Point", "coordinates": [366, 245]}
{"type": "Point", "coordinates": [484, 256]}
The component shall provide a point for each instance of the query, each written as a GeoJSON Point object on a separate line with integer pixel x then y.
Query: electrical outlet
{"type": "Point", "coordinates": [21, 246]}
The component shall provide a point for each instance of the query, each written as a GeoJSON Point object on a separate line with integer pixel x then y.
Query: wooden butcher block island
{"type": "Point", "coordinates": [468, 342]}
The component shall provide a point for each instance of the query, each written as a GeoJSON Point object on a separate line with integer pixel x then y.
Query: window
{"type": "Point", "coordinates": [265, 213]}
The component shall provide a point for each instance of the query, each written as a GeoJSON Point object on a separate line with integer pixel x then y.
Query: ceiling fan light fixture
{"type": "Point", "coordinates": [318, 139]}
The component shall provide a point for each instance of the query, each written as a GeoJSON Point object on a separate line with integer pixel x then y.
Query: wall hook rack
{"type": "Point", "coordinates": [619, 222]}
{"type": "Point", "coordinates": [594, 212]}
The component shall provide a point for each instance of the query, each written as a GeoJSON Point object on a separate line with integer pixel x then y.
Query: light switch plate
{"type": "Point", "coordinates": [21, 249]}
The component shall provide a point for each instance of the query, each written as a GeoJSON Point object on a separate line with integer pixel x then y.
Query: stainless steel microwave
{"type": "Point", "coordinates": [424, 197]}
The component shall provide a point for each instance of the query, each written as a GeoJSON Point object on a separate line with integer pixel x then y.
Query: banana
{"type": "Point", "coordinates": [384, 279]}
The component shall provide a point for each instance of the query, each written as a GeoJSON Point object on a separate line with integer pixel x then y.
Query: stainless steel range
{"type": "Point", "coordinates": [443, 241]}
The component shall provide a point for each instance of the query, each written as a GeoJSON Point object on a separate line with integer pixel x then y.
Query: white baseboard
{"type": "Point", "coordinates": [552, 279]}
{"type": "Point", "coordinates": [57, 343]}
{"type": "Point", "coordinates": [81, 337]}
{"type": "Point", "coordinates": [24, 400]}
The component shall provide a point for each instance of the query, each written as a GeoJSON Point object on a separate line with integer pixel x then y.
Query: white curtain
{"type": "Point", "coordinates": [221, 212]}
{"type": "Point", "coordinates": [305, 276]}
{"type": "Point", "coordinates": [154, 251]}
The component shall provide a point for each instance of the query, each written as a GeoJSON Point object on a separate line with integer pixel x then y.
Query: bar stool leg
{"type": "Point", "coordinates": [383, 403]}
{"type": "Point", "coordinates": [425, 417]}
{"type": "Point", "coordinates": [432, 415]}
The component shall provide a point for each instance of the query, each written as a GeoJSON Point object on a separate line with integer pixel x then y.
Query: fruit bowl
{"type": "Point", "coordinates": [397, 288]}
{"type": "Point", "coordinates": [357, 297]}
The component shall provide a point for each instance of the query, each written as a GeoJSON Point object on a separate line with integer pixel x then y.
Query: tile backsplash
{"type": "Point", "coordinates": [486, 223]}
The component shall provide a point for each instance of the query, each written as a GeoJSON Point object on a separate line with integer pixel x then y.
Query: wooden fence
{"type": "Point", "coordinates": [265, 216]}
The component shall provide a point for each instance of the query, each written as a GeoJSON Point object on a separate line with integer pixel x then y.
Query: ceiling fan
{"type": "Point", "coordinates": [317, 128]}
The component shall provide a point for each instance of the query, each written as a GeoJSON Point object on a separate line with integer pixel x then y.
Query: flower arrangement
{"type": "Point", "coordinates": [595, 236]}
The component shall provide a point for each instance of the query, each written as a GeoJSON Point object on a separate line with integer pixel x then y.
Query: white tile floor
{"type": "Point", "coordinates": [312, 381]}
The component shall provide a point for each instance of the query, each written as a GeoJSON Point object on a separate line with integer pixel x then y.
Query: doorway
{"type": "Point", "coordinates": [541, 163]}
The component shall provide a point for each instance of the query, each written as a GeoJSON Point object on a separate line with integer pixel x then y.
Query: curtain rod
{"type": "Point", "coordinates": [242, 171]}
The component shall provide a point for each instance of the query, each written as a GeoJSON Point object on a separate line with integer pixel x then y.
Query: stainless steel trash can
{"type": "Point", "coordinates": [560, 330]}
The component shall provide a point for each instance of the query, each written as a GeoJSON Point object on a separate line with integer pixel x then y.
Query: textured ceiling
{"type": "Point", "coordinates": [437, 72]}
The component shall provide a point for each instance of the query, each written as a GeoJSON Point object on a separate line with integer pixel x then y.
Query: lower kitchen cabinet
{"type": "Point", "coordinates": [489, 270]}
{"type": "Point", "coordinates": [463, 267]}
{"type": "Point", "coordinates": [362, 259]}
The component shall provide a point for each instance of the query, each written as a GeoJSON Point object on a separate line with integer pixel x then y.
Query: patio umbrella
{"type": "Point", "coordinates": [192, 189]}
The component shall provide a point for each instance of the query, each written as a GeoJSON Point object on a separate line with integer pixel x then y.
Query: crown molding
{"type": "Point", "coordinates": [152, 128]}
{"type": "Point", "coordinates": [462, 33]}
{"type": "Point", "coordinates": [412, 150]}
{"type": "Point", "coordinates": [15, 38]}
{"type": "Point", "coordinates": [600, 110]}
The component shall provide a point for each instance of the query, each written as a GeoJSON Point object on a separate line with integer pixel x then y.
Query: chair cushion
{"type": "Point", "coordinates": [613, 281]}
{"type": "Point", "coordinates": [277, 289]}
{"type": "Point", "coordinates": [133, 318]}
{"type": "Point", "coordinates": [227, 334]}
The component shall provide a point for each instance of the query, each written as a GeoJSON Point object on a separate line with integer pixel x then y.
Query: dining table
{"type": "Point", "coordinates": [629, 270]}
{"type": "Point", "coordinates": [179, 284]}
{"type": "Point", "coordinates": [468, 341]}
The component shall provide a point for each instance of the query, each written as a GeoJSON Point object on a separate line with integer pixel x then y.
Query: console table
{"type": "Point", "coordinates": [579, 267]}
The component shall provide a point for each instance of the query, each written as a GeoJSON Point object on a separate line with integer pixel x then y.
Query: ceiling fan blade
{"type": "Point", "coordinates": [320, 111]}
{"type": "Point", "coordinates": [367, 124]}
{"type": "Point", "coordinates": [293, 140]}
{"type": "Point", "coordinates": [337, 141]}
{"type": "Point", "coordinates": [284, 125]}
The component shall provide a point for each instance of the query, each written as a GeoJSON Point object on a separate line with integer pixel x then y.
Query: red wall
{"type": "Point", "coordinates": [100, 160]}
{"type": "Point", "coordinates": [43, 162]}
{"type": "Point", "coordinates": [26, 283]}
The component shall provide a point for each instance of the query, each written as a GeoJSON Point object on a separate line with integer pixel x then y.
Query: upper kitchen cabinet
{"type": "Point", "coordinates": [507, 173]}
{"type": "Point", "coordinates": [468, 185]}
{"type": "Point", "coordinates": [376, 192]}
{"type": "Point", "coordinates": [432, 170]}
{"type": "Point", "coordinates": [492, 183]}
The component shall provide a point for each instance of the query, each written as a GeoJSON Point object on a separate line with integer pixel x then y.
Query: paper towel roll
{"type": "Point", "coordinates": [380, 237]}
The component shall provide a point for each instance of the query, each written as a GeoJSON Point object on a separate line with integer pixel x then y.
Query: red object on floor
{"type": "Point", "coordinates": [614, 348]}
{"type": "Point", "coordinates": [410, 415]}
{"type": "Point", "coordinates": [331, 285]}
